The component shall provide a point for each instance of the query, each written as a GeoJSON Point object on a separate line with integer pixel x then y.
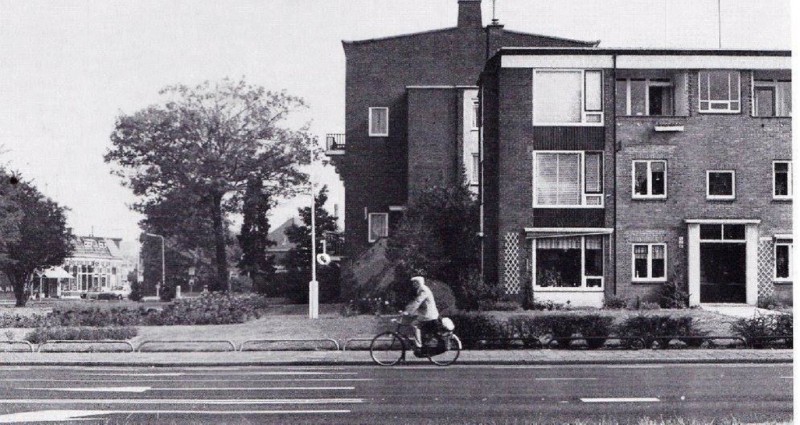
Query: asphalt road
{"type": "Point", "coordinates": [414, 394]}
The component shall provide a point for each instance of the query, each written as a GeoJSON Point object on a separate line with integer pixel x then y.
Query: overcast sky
{"type": "Point", "coordinates": [68, 68]}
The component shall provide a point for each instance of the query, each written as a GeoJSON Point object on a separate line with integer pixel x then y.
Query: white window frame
{"type": "Point", "coordinates": [369, 226]}
{"type": "Point", "coordinates": [789, 178]}
{"type": "Point", "coordinates": [476, 166]}
{"type": "Point", "coordinates": [782, 242]}
{"type": "Point", "coordinates": [728, 110]}
{"type": "Point", "coordinates": [581, 182]}
{"type": "Point", "coordinates": [648, 82]}
{"type": "Point", "coordinates": [584, 112]}
{"type": "Point", "coordinates": [649, 194]}
{"type": "Point", "coordinates": [768, 83]}
{"type": "Point", "coordinates": [649, 277]}
{"type": "Point", "coordinates": [369, 122]}
{"type": "Point", "coordinates": [583, 287]}
{"type": "Point", "coordinates": [709, 196]}
{"type": "Point", "coordinates": [475, 114]}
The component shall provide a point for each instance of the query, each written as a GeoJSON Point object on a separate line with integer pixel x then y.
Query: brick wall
{"type": "Point", "coordinates": [710, 141]}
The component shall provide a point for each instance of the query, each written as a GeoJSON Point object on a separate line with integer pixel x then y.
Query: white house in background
{"type": "Point", "coordinates": [96, 265]}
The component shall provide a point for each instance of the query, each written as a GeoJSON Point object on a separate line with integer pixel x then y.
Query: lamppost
{"type": "Point", "coordinates": [313, 286]}
{"type": "Point", "coordinates": [163, 268]}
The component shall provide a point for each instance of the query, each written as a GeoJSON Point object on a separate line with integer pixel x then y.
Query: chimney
{"type": "Point", "coordinates": [469, 14]}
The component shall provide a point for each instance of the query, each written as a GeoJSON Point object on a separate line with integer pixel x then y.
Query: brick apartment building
{"type": "Point", "coordinates": [411, 120]}
{"type": "Point", "coordinates": [612, 172]}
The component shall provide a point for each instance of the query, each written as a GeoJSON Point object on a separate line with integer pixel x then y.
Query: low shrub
{"type": "Point", "coordinates": [547, 305]}
{"type": "Point", "coordinates": [672, 295]}
{"type": "Point", "coordinates": [760, 331]}
{"type": "Point", "coordinates": [615, 302]}
{"type": "Point", "coordinates": [649, 306]}
{"type": "Point", "coordinates": [364, 305]}
{"type": "Point", "coordinates": [42, 335]}
{"type": "Point", "coordinates": [530, 330]}
{"type": "Point", "coordinates": [478, 330]}
{"type": "Point", "coordinates": [654, 328]}
{"type": "Point", "coordinates": [595, 329]}
{"type": "Point", "coordinates": [499, 305]}
{"type": "Point", "coordinates": [769, 302]}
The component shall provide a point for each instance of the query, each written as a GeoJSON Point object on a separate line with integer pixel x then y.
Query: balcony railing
{"type": "Point", "coordinates": [335, 142]}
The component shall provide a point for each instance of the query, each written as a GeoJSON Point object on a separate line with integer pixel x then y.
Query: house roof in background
{"type": "Point", "coordinates": [278, 235]}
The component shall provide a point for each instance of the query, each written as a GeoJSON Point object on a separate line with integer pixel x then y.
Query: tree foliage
{"type": "Point", "coordinates": [299, 257]}
{"type": "Point", "coordinates": [38, 238]}
{"type": "Point", "coordinates": [253, 239]}
{"type": "Point", "coordinates": [209, 141]}
{"type": "Point", "coordinates": [438, 238]}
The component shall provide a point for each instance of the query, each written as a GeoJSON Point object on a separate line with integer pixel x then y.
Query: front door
{"type": "Point", "coordinates": [723, 263]}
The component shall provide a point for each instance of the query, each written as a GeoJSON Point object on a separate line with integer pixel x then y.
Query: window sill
{"type": "Point", "coordinates": [649, 198]}
{"type": "Point", "coordinates": [721, 198]}
{"type": "Point", "coordinates": [781, 282]}
{"type": "Point", "coordinates": [772, 118]}
{"type": "Point", "coordinates": [570, 124]}
{"type": "Point", "coordinates": [648, 281]}
{"type": "Point", "coordinates": [378, 135]}
{"type": "Point", "coordinates": [776, 199]}
{"type": "Point", "coordinates": [718, 112]}
{"type": "Point", "coordinates": [569, 206]}
{"type": "Point", "coordinates": [566, 289]}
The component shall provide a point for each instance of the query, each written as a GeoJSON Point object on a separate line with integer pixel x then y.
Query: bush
{"type": "Point", "coordinates": [595, 329]}
{"type": "Point", "coordinates": [672, 295]}
{"type": "Point", "coordinates": [376, 305]}
{"type": "Point", "coordinates": [42, 335]}
{"type": "Point", "coordinates": [769, 302]}
{"type": "Point", "coordinates": [480, 330]}
{"type": "Point", "coordinates": [546, 305]}
{"type": "Point", "coordinates": [499, 305]}
{"type": "Point", "coordinates": [649, 306]}
{"type": "Point", "coordinates": [615, 302]}
{"type": "Point", "coordinates": [654, 328]}
{"type": "Point", "coordinates": [759, 331]}
{"type": "Point", "coordinates": [528, 329]}
{"type": "Point", "coordinates": [475, 294]}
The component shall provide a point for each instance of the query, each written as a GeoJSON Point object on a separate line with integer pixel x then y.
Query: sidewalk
{"type": "Point", "coordinates": [323, 358]}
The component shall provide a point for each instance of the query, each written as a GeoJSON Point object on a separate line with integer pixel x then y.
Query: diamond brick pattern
{"type": "Point", "coordinates": [511, 280]}
{"type": "Point", "coordinates": [766, 287]}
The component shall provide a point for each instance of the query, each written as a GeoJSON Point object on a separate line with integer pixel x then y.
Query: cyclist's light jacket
{"type": "Point", "coordinates": [423, 305]}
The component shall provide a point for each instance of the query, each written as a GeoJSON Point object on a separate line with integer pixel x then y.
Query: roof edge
{"type": "Point", "coordinates": [639, 51]}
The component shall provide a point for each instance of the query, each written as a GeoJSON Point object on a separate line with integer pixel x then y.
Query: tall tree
{"type": "Point", "coordinates": [209, 140]}
{"type": "Point", "coordinates": [43, 236]}
{"type": "Point", "coordinates": [299, 257]}
{"type": "Point", "coordinates": [253, 238]}
{"type": "Point", "coordinates": [10, 214]}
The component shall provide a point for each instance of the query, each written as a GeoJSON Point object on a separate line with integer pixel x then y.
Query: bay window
{"type": "Point", "coordinates": [569, 262]}
{"type": "Point", "coordinates": [567, 97]}
{"type": "Point", "coordinates": [567, 179]}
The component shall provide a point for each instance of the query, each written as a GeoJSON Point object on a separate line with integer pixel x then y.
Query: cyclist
{"type": "Point", "coordinates": [424, 307]}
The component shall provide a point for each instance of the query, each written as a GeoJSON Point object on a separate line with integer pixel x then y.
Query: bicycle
{"type": "Point", "coordinates": [389, 348]}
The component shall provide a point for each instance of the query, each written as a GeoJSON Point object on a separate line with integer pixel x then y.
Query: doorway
{"type": "Point", "coordinates": [723, 263]}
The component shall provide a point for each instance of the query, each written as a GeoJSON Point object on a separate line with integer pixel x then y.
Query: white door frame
{"type": "Point", "coordinates": [751, 257]}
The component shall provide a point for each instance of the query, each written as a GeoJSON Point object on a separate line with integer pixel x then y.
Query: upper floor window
{"type": "Point", "coordinates": [649, 179]}
{"type": "Point", "coordinates": [720, 184]}
{"type": "Point", "coordinates": [720, 91]}
{"type": "Point", "coordinates": [476, 168]}
{"type": "Point", "coordinates": [782, 180]}
{"type": "Point", "coordinates": [568, 179]}
{"type": "Point", "coordinates": [378, 225]}
{"type": "Point", "coordinates": [772, 97]}
{"type": "Point", "coordinates": [475, 115]}
{"type": "Point", "coordinates": [378, 122]}
{"type": "Point", "coordinates": [567, 97]}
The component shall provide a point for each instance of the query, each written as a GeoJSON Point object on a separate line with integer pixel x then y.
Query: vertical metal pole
{"type": "Point", "coordinates": [719, 22]}
{"type": "Point", "coordinates": [163, 268]}
{"type": "Point", "coordinates": [313, 286]}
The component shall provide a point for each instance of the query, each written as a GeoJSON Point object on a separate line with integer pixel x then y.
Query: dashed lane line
{"type": "Point", "coordinates": [185, 380]}
{"type": "Point", "coordinates": [71, 415]}
{"type": "Point", "coordinates": [621, 400]}
{"type": "Point", "coordinates": [565, 379]}
{"type": "Point", "coordinates": [299, 373]}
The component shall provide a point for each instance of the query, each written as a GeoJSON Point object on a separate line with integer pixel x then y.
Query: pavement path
{"type": "Point", "coordinates": [397, 395]}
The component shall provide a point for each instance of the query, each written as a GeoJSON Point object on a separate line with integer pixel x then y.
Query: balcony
{"type": "Point", "coordinates": [335, 144]}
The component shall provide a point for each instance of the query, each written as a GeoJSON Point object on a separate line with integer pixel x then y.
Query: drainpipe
{"type": "Point", "coordinates": [614, 135]}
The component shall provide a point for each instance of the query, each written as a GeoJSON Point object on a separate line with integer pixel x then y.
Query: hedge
{"type": "Point", "coordinates": [209, 309]}
{"type": "Point", "coordinates": [42, 335]}
{"type": "Point", "coordinates": [760, 331]}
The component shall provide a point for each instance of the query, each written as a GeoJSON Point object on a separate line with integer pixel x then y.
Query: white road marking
{"type": "Point", "coordinates": [641, 366]}
{"type": "Point", "coordinates": [787, 377]}
{"type": "Point", "coordinates": [565, 379]}
{"type": "Point", "coordinates": [186, 380]}
{"type": "Point", "coordinates": [186, 401]}
{"type": "Point", "coordinates": [92, 389]}
{"type": "Point", "coordinates": [225, 374]}
{"type": "Point", "coordinates": [621, 400]}
{"type": "Point", "coordinates": [256, 389]}
{"type": "Point", "coordinates": [66, 415]}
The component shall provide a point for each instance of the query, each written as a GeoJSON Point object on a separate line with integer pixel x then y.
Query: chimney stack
{"type": "Point", "coordinates": [469, 14]}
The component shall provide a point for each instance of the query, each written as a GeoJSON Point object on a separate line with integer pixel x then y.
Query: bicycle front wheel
{"type": "Point", "coordinates": [387, 349]}
{"type": "Point", "coordinates": [450, 355]}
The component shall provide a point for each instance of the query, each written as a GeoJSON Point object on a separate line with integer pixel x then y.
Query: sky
{"type": "Point", "coordinates": [69, 68]}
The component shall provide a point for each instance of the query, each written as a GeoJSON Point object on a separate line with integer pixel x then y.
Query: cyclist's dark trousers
{"type": "Point", "coordinates": [428, 328]}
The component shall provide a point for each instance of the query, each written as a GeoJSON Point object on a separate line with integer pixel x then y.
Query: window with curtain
{"type": "Point", "coordinates": [782, 179]}
{"type": "Point", "coordinates": [569, 262]}
{"type": "Point", "coordinates": [649, 179]}
{"type": "Point", "coordinates": [378, 122]}
{"type": "Point", "coordinates": [564, 179]}
{"type": "Point", "coordinates": [783, 259]}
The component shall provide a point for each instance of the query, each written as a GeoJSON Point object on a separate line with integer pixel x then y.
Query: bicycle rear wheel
{"type": "Point", "coordinates": [387, 348]}
{"type": "Point", "coordinates": [451, 355]}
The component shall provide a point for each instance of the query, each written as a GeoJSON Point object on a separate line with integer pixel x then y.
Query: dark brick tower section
{"type": "Point", "coordinates": [469, 14]}
{"type": "Point", "coordinates": [397, 73]}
